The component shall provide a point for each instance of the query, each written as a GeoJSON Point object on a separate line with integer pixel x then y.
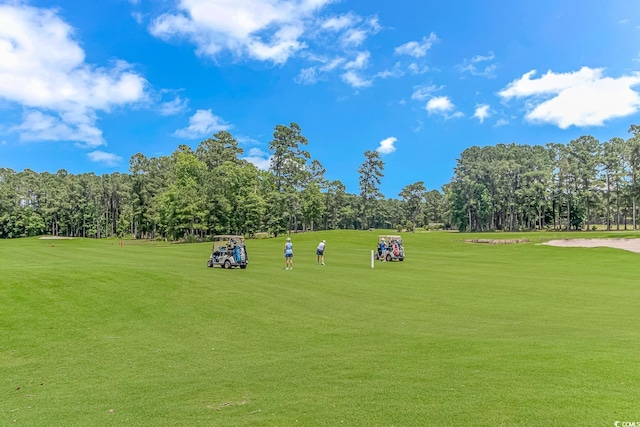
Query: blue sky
{"type": "Point", "coordinates": [84, 85]}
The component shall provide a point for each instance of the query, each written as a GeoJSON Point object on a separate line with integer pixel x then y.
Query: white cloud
{"type": "Point", "coordinates": [312, 75]}
{"type": "Point", "coordinates": [550, 83]}
{"type": "Point", "coordinates": [417, 69]}
{"type": "Point", "coordinates": [43, 69]}
{"type": "Point", "coordinates": [361, 61]}
{"type": "Point", "coordinates": [274, 31]}
{"type": "Point", "coordinates": [247, 140]}
{"type": "Point", "coordinates": [338, 23]}
{"type": "Point", "coordinates": [351, 76]}
{"type": "Point", "coordinates": [257, 152]}
{"type": "Point", "coordinates": [202, 123]}
{"type": "Point", "coordinates": [354, 37]}
{"type": "Point", "coordinates": [487, 71]}
{"type": "Point", "coordinates": [623, 21]}
{"type": "Point", "coordinates": [483, 58]}
{"type": "Point", "coordinates": [37, 126]}
{"type": "Point", "coordinates": [482, 112]}
{"type": "Point", "coordinates": [307, 76]}
{"type": "Point", "coordinates": [358, 32]}
{"type": "Point", "coordinates": [417, 49]}
{"type": "Point", "coordinates": [423, 91]}
{"type": "Point", "coordinates": [501, 122]}
{"type": "Point", "coordinates": [387, 145]}
{"type": "Point", "coordinates": [332, 64]}
{"type": "Point", "coordinates": [328, 64]}
{"type": "Point", "coordinates": [395, 72]}
{"type": "Point", "coordinates": [354, 80]}
{"type": "Point", "coordinates": [259, 158]}
{"type": "Point", "coordinates": [581, 98]}
{"type": "Point", "coordinates": [267, 30]}
{"type": "Point", "coordinates": [472, 66]}
{"type": "Point", "coordinates": [374, 24]}
{"type": "Point", "coordinates": [138, 17]}
{"type": "Point", "coordinates": [176, 106]}
{"type": "Point", "coordinates": [108, 159]}
{"type": "Point", "coordinates": [442, 105]}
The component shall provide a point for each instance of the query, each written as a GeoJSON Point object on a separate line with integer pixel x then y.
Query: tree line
{"type": "Point", "coordinates": [192, 194]}
{"type": "Point", "coordinates": [573, 186]}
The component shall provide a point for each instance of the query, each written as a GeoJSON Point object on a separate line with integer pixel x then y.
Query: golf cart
{"type": "Point", "coordinates": [228, 251]}
{"type": "Point", "coordinates": [393, 248]}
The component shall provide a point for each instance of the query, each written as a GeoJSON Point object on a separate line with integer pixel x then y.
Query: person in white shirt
{"type": "Point", "coordinates": [320, 252]}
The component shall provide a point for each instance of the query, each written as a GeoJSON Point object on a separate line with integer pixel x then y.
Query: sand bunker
{"type": "Point", "coordinates": [497, 242]}
{"type": "Point", "coordinates": [632, 245]}
{"type": "Point", "coordinates": [56, 238]}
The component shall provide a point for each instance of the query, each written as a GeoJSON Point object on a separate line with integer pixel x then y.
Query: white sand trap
{"type": "Point", "coordinates": [56, 238]}
{"type": "Point", "coordinates": [632, 245]}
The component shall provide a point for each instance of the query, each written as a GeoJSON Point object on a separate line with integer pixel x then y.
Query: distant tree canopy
{"type": "Point", "coordinates": [192, 194]}
{"type": "Point", "coordinates": [522, 187]}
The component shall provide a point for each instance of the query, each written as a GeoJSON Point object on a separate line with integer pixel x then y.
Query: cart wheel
{"type": "Point", "coordinates": [227, 264]}
{"type": "Point", "coordinates": [243, 266]}
{"type": "Point", "coordinates": [388, 257]}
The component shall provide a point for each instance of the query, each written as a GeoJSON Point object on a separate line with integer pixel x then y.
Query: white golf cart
{"type": "Point", "coordinates": [393, 248]}
{"type": "Point", "coordinates": [228, 251]}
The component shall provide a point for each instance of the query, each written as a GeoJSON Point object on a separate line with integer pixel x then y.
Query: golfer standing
{"type": "Point", "coordinates": [288, 255]}
{"type": "Point", "coordinates": [320, 252]}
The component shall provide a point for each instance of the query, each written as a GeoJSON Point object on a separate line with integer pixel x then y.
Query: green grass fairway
{"type": "Point", "coordinates": [458, 334]}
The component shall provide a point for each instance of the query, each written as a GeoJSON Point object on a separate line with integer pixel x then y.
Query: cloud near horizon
{"type": "Point", "coordinates": [201, 124]}
{"type": "Point", "coordinates": [258, 158]}
{"type": "Point", "coordinates": [108, 159]}
{"type": "Point", "coordinates": [387, 145]}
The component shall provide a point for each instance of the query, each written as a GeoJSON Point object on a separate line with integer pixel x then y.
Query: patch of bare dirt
{"type": "Point", "coordinates": [632, 245]}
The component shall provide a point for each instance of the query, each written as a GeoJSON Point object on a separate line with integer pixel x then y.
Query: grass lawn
{"type": "Point", "coordinates": [457, 334]}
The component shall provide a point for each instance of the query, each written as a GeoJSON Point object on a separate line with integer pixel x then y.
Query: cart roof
{"type": "Point", "coordinates": [228, 236]}
{"type": "Point", "coordinates": [385, 236]}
